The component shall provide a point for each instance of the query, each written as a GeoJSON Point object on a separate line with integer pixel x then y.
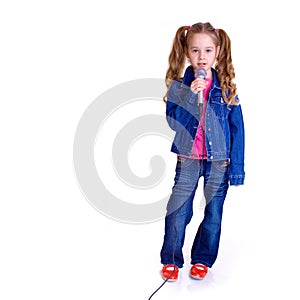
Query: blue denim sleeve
{"type": "Point", "coordinates": [181, 107]}
{"type": "Point", "coordinates": [237, 141]}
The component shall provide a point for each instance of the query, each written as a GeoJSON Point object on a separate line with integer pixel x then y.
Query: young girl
{"type": "Point", "coordinates": [209, 142]}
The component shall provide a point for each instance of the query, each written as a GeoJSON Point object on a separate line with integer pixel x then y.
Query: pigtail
{"type": "Point", "coordinates": [225, 69]}
{"type": "Point", "coordinates": [177, 57]}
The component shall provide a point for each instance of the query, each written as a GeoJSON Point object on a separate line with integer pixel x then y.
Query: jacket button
{"type": "Point", "coordinates": [210, 143]}
{"type": "Point", "coordinates": [209, 129]}
{"type": "Point", "coordinates": [212, 157]}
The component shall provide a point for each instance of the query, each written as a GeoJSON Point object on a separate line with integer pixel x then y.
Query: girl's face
{"type": "Point", "coordinates": [202, 52]}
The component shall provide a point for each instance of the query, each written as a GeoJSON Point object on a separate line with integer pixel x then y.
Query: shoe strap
{"type": "Point", "coordinates": [200, 267]}
{"type": "Point", "coordinates": [170, 266]}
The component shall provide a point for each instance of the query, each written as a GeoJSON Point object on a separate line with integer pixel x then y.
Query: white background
{"type": "Point", "coordinates": [56, 58]}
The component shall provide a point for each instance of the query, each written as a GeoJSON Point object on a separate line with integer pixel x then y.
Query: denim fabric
{"type": "Point", "coordinates": [224, 126]}
{"type": "Point", "coordinates": [180, 211]}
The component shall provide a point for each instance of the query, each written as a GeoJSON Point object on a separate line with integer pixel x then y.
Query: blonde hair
{"type": "Point", "coordinates": [224, 66]}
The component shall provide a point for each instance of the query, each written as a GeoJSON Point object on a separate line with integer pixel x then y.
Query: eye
{"type": "Point", "coordinates": [195, 50]}
{"type": "Point", "coordinates": [209, 50]}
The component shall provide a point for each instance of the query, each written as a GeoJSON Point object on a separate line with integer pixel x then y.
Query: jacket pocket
{"type": "Point", "coordinates": [219, 107]}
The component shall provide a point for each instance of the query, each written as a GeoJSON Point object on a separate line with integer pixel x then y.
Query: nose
{"type": "Point", "coordinates": [201, 55]}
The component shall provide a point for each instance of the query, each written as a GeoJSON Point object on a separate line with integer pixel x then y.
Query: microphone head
{"type": "Point", "coordinates": [200, 73]}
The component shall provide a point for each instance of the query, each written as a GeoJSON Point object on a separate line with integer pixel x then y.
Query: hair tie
{"type": "Point", "coordinates": [187, 28]}
{"type": "Point", "coordinates": [217, 30]}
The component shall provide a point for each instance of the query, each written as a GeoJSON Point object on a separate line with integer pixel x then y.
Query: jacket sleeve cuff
{"type": "Point", "coordinates": [236, 179]}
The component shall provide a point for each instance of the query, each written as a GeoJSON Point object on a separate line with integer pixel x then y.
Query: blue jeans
{"type": "Point", "coordinates": [180, 211]}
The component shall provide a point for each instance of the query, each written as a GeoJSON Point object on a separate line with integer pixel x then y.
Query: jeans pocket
{"type": "Point", "coordinates": [181, 159]}
{"type": "Point", "coordinates": [221, 165]}
{"type": "Point", "coordinates": [184, 162]}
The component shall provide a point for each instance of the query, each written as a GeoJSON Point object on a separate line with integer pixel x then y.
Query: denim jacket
{"type": "Point", "coordinates": [224, 126]}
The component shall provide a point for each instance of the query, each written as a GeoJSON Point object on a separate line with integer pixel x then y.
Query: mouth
{"type": "Point", "coordinates": [201, 65]}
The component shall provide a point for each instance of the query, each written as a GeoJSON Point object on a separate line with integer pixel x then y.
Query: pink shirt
{"type": "Point", "coordinates": [199, 147]}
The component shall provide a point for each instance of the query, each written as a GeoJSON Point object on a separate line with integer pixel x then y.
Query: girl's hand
{"type": "Point", "coordinates": [198, 85]}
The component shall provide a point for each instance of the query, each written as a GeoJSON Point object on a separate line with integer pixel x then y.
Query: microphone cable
{"type": "Point", "coordinates": [173, 253]}
{"type": "Point", "coordinates": [175, 215]}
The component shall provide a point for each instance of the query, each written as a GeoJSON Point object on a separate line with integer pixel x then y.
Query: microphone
{"type": "Point", "coordinates": [200, 73]}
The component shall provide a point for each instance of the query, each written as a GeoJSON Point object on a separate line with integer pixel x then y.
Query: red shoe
{"type": "Point", "coordinates": [169, 272]}
{"type": "Point", "coordinates": [198, 271]}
